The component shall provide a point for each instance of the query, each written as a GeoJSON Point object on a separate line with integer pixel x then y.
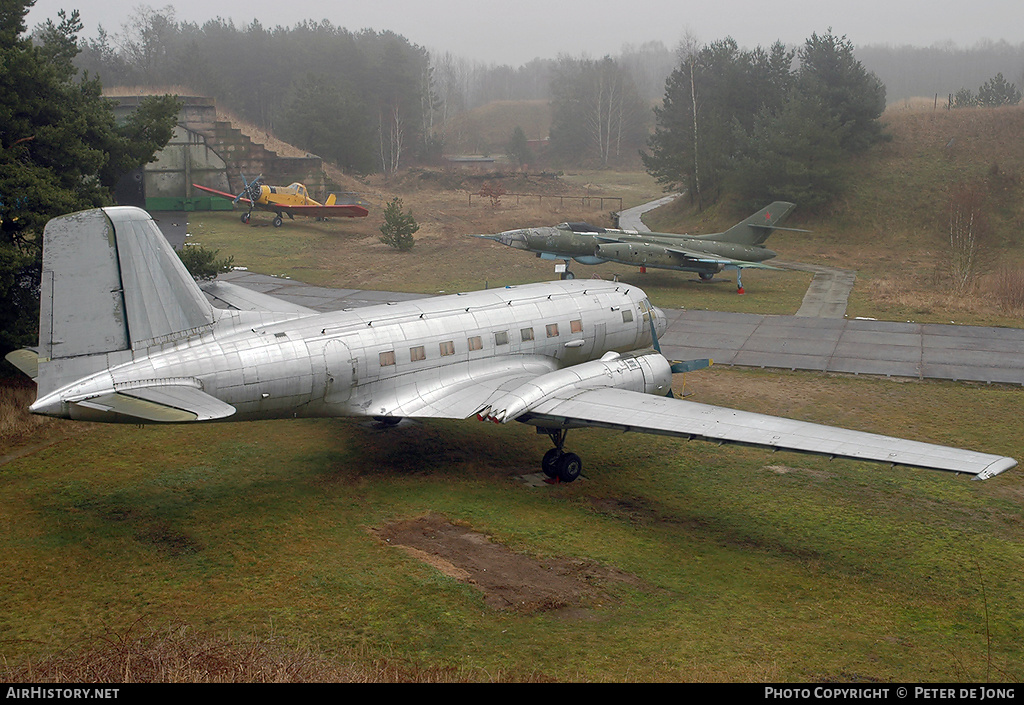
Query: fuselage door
{"type": "Point", "coordinates": [341, 372]}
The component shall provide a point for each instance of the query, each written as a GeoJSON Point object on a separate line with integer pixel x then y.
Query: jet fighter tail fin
{"type": "Point", "coordinates": [756, 229]}
{"type": "Point", "coordinates": [110, 283]}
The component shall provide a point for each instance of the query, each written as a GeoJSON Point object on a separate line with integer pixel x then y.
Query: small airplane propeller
{"type": "Point", "coordinates": [251, 192]}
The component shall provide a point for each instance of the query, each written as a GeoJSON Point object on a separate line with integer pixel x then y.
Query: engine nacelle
{"type": "Point", "coordinates": [650, 374]}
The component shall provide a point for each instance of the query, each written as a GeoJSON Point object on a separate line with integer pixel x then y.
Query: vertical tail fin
{"type": "Point", "coordinates": [756, 229]}
{"type": "Point", "coordinates": [111, 282]}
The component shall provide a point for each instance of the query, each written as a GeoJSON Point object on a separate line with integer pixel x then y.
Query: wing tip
{"type": "Point", "coordinates": [996, 467]}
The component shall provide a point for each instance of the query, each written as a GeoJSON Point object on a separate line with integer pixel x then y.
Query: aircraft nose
{"type": "Point", "coordinates": [513, 238]}
{"type": "Point", "coordinates": [660, 321]}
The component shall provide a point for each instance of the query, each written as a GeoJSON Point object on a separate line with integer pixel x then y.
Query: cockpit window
{"type": "Point", "coordinates": [581, 228]}
{"type": "Point", "coordinates": [645, 307]}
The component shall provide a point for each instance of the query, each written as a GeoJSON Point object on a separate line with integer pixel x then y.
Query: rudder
{"type": "Point", "coordinates": [756, 229]}
{"type": "Point", "coordinates": [110, 282]}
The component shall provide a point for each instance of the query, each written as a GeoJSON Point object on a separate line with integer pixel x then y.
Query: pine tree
{"type": "Point", "coordinates": [398, 226]}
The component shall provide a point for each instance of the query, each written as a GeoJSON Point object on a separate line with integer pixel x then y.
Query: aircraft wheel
{"type": "Point", "coordinates": [705, 276]}
{"type": "Point", "coordinates": [569, 467]}
{"type": "Point", "coordinates": [550, 462]}
{"type": "Point", "coordinates": [568, 275]}
{"type": "Point", "coordinates": [278, 221]}
{"type": "Point", "coordinates": [245, 217]}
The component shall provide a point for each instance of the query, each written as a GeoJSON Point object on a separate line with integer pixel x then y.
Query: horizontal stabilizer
{"type": "Point", "coordinates": [243, 299]}
{"type": "Point", "coordinates": [161, 404]}
{"type": "Point", "coordinates": [26, 360]}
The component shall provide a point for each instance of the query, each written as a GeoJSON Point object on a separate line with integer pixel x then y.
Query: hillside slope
{"type": "Point", "coordinates": [893, 224]}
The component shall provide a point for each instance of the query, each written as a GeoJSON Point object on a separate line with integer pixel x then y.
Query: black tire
{"type": "Point", "coordinates": [550, 463]}
{"type": "Point", "coordinates": [705, 276]}
{"type": "Point", "coordinates": [569, 467]}
{"type": "Point", "coordinates": [245, 218]}
{"type": "Point", "coordinates": [278, 221]}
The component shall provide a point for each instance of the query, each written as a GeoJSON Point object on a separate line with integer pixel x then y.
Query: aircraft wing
{"type": "Point", "coordinates": [336, 211]}
{"type": "Point", "coordinates": [459, 391]}
{"type": "Point", "coordinates": [699, 257]}
{"type": "Point", "coordinates": [632, 411]}
{"type": "Point", "coordinates": [224, 194]}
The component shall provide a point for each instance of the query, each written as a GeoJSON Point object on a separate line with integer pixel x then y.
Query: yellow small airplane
{"type": "Point", "coordinates": [292, 200]}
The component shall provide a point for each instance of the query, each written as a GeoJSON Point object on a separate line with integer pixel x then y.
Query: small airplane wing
{"type": "Point", "coordinates": [351, 210]}
{"type": "Point", "coordinates": [633, 411]}
{"type": "Point", "coordinates": [224, 194]}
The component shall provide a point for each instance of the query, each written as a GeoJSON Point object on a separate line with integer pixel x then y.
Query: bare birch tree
{"type": "Point", "coordinates": [968, 229]}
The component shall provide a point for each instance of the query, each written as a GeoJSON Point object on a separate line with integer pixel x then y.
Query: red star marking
{"type": "Point", "coordinates": [767, 216]}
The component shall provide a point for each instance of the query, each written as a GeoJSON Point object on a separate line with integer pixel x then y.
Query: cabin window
{"type": "Point", "coordinates": [576, 326]}
{"type": "Point", "coordinates": [447, 348]}
{"type": "Point", "coordinates": [526, 334]}
{"type": "Point", "coordinates": [627, 316]}
{"type": "Point", "coordinates": [552, 330]}
{"type": "Point", "coordinates": [418, 353]}
{"type": "Point", "coordinates": [387, 358]}
{"type": "Point", "coordinates": [475, 343]}
{"type": "Point", "coordinates": [501, 337]}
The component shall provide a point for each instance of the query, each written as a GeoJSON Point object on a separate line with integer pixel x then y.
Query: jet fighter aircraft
{"type": "Point", "coordinates": [126, 335]}
{"type": "Point", "coordinates": [290, 200]}
{"type": "Point", "coordinates": [739, 247]}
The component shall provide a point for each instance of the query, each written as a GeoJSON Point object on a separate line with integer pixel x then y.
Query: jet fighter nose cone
{"type": "Point", "coordinates": [513, 238]}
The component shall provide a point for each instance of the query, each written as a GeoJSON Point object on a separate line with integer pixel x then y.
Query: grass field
{"type": "Point", "coordinates": [736, 565]}
{"type": "Point", "coordinates": [261, 552]}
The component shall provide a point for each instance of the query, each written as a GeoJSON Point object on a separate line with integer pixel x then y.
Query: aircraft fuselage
{"type": "Point", "coordinates": [641, 249]}
{"type": "Point", "coordinates": [380, 360]}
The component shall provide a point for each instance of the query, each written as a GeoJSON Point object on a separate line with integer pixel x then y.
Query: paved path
{"type": "Point", "coordinates": [856, 346]}
{"type": "Point", "coordinates": [818, 338]}
{"type": "Point", "coordinates": [629, 219]}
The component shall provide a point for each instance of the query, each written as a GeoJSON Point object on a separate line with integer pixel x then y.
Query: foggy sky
{"type": "Point", "coordinates": [517, 31]}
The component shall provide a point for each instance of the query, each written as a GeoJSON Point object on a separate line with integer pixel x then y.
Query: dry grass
{"type": "Point", "coordinates": [180, 655]}
{"type": "Point", "coordinates": [16, 423]}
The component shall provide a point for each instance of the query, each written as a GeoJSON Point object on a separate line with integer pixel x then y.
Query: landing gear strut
{"type": "Point", "coordinates": [558, 464]}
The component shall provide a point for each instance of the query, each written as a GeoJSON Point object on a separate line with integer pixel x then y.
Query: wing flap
{"type": "Point", "coordinates": [630, 411]}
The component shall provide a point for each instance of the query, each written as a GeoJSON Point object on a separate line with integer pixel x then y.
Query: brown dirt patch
{"type": "Point", "coordinates": [509, 581]}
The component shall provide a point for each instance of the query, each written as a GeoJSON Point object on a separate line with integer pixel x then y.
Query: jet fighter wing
{"type": "Point", "coordinates": [631, 411]}
{"type": "Point", "coordinates": [699, 257]}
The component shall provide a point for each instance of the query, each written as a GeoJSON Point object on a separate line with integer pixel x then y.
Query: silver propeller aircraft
{"type": "Point", "coordinates": [738, 248]}
{"type": "Point", "coordinates": [126, 335]}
